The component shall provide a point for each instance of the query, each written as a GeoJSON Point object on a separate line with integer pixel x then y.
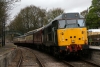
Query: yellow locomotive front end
{"type": "Point", "coordinates": [72, 38]}
{"type": "Point", "coordinates": [71, 33]}
{"type": "Point", "coordinates": [66, 34]}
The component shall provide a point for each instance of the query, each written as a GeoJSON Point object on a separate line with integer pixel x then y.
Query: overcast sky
{"type": "Point", "coordinates": [67, 5]}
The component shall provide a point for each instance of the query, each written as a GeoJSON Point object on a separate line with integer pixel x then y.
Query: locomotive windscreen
{"type": "Point", "coordinates": [74, 21]}
{"type": "Point", "coordinates": [71, 23]}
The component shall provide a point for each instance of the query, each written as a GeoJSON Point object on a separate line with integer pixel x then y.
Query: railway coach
{"type": "Point", "coordinates": [19, 40]}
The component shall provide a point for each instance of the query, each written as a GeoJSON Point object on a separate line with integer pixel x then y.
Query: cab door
{"type": "Point", "coordinates": [54, 31]}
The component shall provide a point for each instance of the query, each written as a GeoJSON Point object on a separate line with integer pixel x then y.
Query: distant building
{"type": "Point", "coordinates": [83, 13]}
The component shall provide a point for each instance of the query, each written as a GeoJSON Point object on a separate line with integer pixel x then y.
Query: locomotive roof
{"type": "Point", "coordinates": [66, 16]}
{"type": "Point", "coordinates": [20, 36]}
{"type": "Point", "coordinates": [39, 29]}
{"type": "Point", "coordinates": [30, 32]}
{"type": "Point", "coordinates": [69, 16]}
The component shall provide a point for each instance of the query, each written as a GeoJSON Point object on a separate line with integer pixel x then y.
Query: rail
{"type": "Point", "coordinates": [67, 63]}
{"type": "Point", "coordinates": [20, 60]}
{"type": "Point", "coordinates": [39, 61]}
{"type": "Point", "coordinates": [94, 64]}
{"type": "Point", "coordinates": [41, 64]}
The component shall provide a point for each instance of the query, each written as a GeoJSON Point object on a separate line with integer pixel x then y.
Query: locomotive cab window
{"type": "Point", "coordinates": [71, 23]}
{"type": "Point", "coordinates": [61, 24]}
{"type": "Point", "coordinates": [81, 22]}
{"type": "Point", "coordinates": [67, 23]}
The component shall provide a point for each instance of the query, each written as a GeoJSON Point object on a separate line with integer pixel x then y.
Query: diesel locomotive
{"type": "Point", "coordinates": [64, 35]}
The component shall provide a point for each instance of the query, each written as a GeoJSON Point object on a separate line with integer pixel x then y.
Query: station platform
{"type": "Point", "coordinates": [94, 47]}
{"type": "Point", "coordinates": [7, 48]}
{"type": "Point", "coordinates": [7, 53]}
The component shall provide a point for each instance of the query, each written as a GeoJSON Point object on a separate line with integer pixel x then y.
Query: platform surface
{"type": "Point", "coordinates": [94, 47]}
{"type": "Point", "coordinates": [7, 48]}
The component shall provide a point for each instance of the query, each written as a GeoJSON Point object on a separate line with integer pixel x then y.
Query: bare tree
{"type": "Point", "coordinates": [29, 18]}
{"type": "Point", "coordinates": [33, 17]}
{"type": "Point", "coordinates": [5, 6]}
{"type": "Point", "coordinates": [52, 13]}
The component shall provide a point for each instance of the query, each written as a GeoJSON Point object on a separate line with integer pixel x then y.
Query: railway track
{"type": "Point", "coordinates": [92, 63]}
{"type": "Point", "coordinates": [67, 63]}
{"type": "Point", "coordinates": [20, 60]}
{"type": "Point", "coordinates": [17, 61]}
{"type": "Point", "coordinates": [79, 64]}
{"type": "Point", "coordinates": [29, 57]}
{"type": "Point", "coordinates": [39, 61]}
{"type": "Point", "coordinates": [47, 61]}
{"type": "Point", "coordinates": [63, 63]}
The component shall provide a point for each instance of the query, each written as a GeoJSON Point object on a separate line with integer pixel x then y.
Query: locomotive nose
{"type": "Point", "coordinates": [71, 36]}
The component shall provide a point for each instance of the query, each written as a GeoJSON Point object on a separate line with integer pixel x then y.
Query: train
{"type": "Point", "coordinates": [94, 37]}
{"type": "Point", "coordinates": [66, 34]}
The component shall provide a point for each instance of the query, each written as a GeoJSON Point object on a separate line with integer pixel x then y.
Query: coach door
{"type": "Point", "coordinates": [54, 31]}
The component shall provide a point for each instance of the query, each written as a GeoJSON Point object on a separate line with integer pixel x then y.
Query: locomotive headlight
{"type": "Point", "coordinates": [82, 38]}
{"type": "Point", "coordinates": [62, 33]}
{"type": "Point", "coordinates": [73, 41]}
{"type": "Point", "coordinates": [62, 38]}
{"type": "Point", "coordinates": [86, 42]}
{"type": "Point", "coordinates": [82, 32]}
